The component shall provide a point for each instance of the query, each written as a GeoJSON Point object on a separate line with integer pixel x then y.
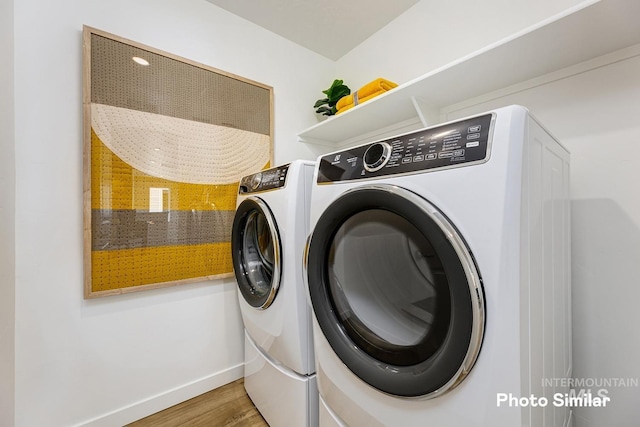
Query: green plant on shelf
{"type": "Point", "coordinates": [327, 106]}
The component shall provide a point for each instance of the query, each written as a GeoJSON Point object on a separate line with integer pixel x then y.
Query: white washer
{"type": "Point", "coordinates": [438, 271]}
{"type": "Point", "coordinates": [268, 237]}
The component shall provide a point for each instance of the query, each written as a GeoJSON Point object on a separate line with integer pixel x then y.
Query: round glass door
{"type": "Point", "coordinates": [395, 291]}
{"type": "Point", "coordinates": [255, 246]}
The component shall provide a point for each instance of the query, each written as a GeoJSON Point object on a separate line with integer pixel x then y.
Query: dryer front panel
{"type": "Point", "coordinates": [256, 249]}
{"type": "Point", "coordinates": [395, 291]}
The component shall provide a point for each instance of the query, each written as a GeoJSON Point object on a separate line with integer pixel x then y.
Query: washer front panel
{"type": "Point", "coordinates": [455, 144]}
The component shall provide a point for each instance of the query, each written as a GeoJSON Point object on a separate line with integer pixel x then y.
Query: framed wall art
{"type": "Point", "coordinates": [166, 141]}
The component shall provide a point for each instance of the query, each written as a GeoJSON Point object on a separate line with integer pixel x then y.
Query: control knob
{"type": "Point", "coordinates": [377, 156]}
{"type": "Point", "coordinates": [255, 180]}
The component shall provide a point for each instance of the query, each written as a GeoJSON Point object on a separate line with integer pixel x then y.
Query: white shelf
{"type": "Point", "coordinates": [590, 30]}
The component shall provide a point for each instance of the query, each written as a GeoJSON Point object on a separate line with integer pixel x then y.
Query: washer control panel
{"type": "Point", "coordinates": [268, 179]}
{"type": "Point", "coordinates": [457, 144]}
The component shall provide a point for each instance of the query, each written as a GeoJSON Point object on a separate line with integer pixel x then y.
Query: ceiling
{"type": "Point", "coordinates": [328, 27]}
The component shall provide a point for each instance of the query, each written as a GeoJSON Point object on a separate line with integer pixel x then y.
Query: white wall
{"type": "Point", "coordinates": [596, 115]}
{"type": "Point", "coordinates": [111, 360]}
{"type": "Point", "coordinates": [433, 33]}
{"type": "Point", "coordinates": [7, 217]}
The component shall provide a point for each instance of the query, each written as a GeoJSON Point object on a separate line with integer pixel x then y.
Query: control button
{"type": "Point", "coordinates": [406, 160]}
{"type": "Point", "coordinates": [472, 144]}
{"type": "Point", "coordinates": [432, 156]}
{"type": "Point", "coordinates": [445, 155]}
{"type": "Point", "coordinates": [458, 153]}
{"type": "Point", "coordinates": [418, 158]}
{"type": "Point", "coordinates": [475, 128]}
{"type": "Point", "coordinates": [377, 156]}
{"type": "Point", "coordinates": [473, 136]}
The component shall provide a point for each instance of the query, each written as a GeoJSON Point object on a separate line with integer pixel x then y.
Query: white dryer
{"type": "Point", "coordinates": [438, 271]}
{"type": "Point", "coordinates": [267, 241]}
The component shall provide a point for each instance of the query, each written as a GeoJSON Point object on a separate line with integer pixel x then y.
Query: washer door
{"type": "Point", "coordinates": [396, 291]}
{"type": "Point", "coordinates": [255, 246]}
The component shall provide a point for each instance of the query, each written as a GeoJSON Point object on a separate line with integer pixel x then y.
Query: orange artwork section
{"type": "Point", "coordinates": [118, 269]}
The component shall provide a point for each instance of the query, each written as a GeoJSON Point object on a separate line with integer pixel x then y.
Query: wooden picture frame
{"type": "Point", "coordinates": [166, 141]}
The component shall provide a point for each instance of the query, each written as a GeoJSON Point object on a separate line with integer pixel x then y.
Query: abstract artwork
{"type": "Point", "coordinates": [166, 141]}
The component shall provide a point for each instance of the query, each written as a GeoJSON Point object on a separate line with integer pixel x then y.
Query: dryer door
{"type": "Point", "coordinates": [256, 248]}
{"type": "Point", "coordinates": [396, 291]}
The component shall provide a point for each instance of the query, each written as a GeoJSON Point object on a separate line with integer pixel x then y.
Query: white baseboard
{"type": "Point", "coordinates": [164, 400]}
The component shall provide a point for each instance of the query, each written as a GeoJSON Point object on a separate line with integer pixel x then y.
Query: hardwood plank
{"type": "Point", "coordinates": [225, 406]}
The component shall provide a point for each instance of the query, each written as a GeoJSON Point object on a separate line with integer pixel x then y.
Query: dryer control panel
{"type": "Point", "coordinates": [268, 179]}
{"type": "Point", "coordinates": [461, 143]}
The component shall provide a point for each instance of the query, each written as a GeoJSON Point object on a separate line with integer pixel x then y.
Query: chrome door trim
{"type": "Point", "coordinates": [275, 238]}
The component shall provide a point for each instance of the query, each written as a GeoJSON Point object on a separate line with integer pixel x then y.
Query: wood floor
{"type": "Point", "coordinates": [225, 406]}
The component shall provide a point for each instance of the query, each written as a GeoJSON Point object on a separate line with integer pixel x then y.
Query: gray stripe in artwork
{"type": "Point", "coordinates": [129, 229]}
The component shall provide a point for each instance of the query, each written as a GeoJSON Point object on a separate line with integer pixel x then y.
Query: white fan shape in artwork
{"type": "Point", "coordinates": [178, 149]}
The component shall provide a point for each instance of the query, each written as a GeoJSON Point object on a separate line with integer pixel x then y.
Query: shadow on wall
{"type": "Point", "coordinates": [606, 314]}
